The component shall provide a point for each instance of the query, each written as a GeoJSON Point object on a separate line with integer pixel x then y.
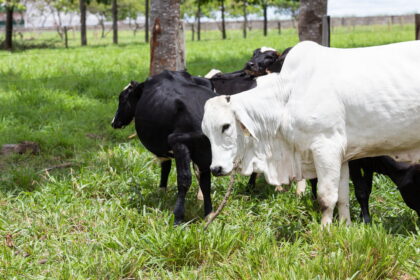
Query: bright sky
{"type": "Point", "coordinates": [372, 7]}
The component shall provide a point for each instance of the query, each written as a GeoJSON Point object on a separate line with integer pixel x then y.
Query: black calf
{"type": "Point", "coordinates": [262, 62]}
{"type": "Point", "coordinates": [265, 61]}
{"type": "Point", "coordinates": [405, 176]}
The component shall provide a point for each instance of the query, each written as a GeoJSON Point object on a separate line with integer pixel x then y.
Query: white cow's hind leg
{"type": "Point", "coordinates": [343, 195]}
{"type": "Point", "coordinates": [300, 187]}
{"type": "Point", "coordinates": [327, 160]}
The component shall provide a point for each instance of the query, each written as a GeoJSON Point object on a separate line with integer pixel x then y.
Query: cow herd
{"type": "Point", "coordinates": [324, 114]}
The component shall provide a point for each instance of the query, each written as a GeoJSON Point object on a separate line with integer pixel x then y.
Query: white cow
{"type": "Point", "coordinates": [326, 107]}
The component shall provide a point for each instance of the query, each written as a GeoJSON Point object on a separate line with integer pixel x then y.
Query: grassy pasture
{"type": "Point", "coordinates": [104, 218]}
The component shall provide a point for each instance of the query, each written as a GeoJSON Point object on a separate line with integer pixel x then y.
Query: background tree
{"type": "Point", "coordinates": [10, 6]}
{"type": "Point", "coordinates": [102, 11]}
{"type": "Point", "coordinates": [310, 19]}
{"type": "Point", "coordinates": [243, 8]}
{"type": "Point", "coordinates": [114, 21]}
{"type": "Point", "coordinates": [83, 8]}
{"type": "Point", "coordinates": [166, 45]}
{"type": "Point", "coordinates": [222, 13]}
{"type": "Point", "coordinates": [288, 7]}
{"type": "Point", "coordinates": [146, 20]}
{"type": "Point", "coordinates": [58, 9]}
{"type": "Point", "coordinates": [127, 9]}
{"type": "Point", "coordinates": [265, 4]}
{"type": "Point", "coordinates": [197, 9]}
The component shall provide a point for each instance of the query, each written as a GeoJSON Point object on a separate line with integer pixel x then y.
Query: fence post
{"type": "Point", "coordinates": [417, 16]}
{"type": "Point", "coordinates": [192, 31]}
{"type": "Point", "coordinates": [279, 27]}
{"type": "Point", "coordinates": [325, 31]}
{"type": "Point", "coordinates": [66, 38]}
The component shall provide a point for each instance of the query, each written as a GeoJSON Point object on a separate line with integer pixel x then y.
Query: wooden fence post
{"type": "Point", "coordinates": [192, 31]}
{"type": "Point", "coordinates": [325, 31]}
{"type": "Point", "coordinates": [279, 27]}
{"type": "Point", "coordinates": [66, 43]}
{"type": "Point", "coordinates": [417, 17]}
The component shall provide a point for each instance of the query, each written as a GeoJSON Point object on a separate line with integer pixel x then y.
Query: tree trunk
{"type": "Point", "coordinates": [8, 43]}
{"type": "Point", "coordinates": [222, 9]}
{"type": "Point", "coordinates": [245, 19]}
{"type": "Point", "coordinates": [146, 21]}
{"type": "Point", "coordinates": [115, 21]}
{"type": "Point", "coordinates": [167, 42]}
{"type": "Point", "coordinates": [199, 21]}
{"type": "Point", "coordinates": [265, 19]}
{"type": "Point", "coordinates": [102, 24]}
{"type": "Point", "coordinates": [310, 19]}
{"type": "Point", "coordinates": [83, 22]}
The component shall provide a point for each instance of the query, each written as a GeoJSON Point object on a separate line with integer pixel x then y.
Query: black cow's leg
{"type": "Point", "coordinates": [314, 182]}
{"type": "Point", "coordinates": [164, 173]}
{"type": "Point", "coordinates": [362, 188]}
{"type": "Point", "coordinates": [368, 176]}
{"type": "Point", "coordinates": [252, 180]}
{"type": "Point", "coordinates": [205, 185]}
{"type": "Point", "coordinates": [182, 160]}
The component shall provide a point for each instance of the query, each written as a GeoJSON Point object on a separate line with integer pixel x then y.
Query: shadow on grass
{"type": "Point", "coordinates": [165, 200]}
{"type": "Point", "coordinates": [402, 225]}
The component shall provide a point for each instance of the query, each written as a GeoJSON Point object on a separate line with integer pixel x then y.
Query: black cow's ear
{"type": "Point", "coordinates": [276, 66]}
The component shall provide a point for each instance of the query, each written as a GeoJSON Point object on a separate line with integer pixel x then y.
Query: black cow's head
{"type": "Point", "coordinates": [127, 104]}
{"type": "Point", "coordinates": [265, 60]}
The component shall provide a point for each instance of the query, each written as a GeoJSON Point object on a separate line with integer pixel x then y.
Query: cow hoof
{"type": "Point", "coordinates": [280, 189]}
{"type": "Point", "coordinates": [177, 222]}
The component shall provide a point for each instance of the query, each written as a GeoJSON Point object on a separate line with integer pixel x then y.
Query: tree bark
{"type": "Point", "coordinates": [8, 43]}
{"type": "Point", "coordinates": [83, 22]}
{"type": "Point", "coordinates": [222, 9]}
{"type": "Point", "coordinates": [310, 19]}
{"type": "Point", "coordinates": [146, 21]}
{"type": "Point", "coordinates": [115, 21]}
{"type": "Point", "coordinates": [167, 42]}
{"type": "Point", "coordinates": [199, 21]}
{"type": "Point", "coordinates": [265, 19]}
{"type": "Point", "coordinates": [245, 19]}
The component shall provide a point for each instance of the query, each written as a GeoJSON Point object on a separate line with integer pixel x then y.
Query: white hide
{"type": "Point", "coordinates": [332, 104]}
{"type": "Point", "coordinates": [212, 72]}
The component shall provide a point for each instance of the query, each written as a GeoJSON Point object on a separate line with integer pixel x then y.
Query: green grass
{"type": "Point", "coordinates": [105, 218]}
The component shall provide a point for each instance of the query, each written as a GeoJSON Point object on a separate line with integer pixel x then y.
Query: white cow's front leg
{"type": "Point", "coordinates": [343, 195]}
{"type": "Point", "coordinates": [327, 159]}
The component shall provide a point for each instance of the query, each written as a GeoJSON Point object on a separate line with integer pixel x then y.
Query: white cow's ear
{"type": "Point", "coordinates": [245, 122]}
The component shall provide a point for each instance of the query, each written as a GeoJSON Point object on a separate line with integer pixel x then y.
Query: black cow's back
{"type": "Point", "coordinates": [171, 102]}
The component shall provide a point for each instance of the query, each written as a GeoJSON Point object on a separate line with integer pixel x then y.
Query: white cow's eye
{"type": "Point", "coordinates": [225, 126]}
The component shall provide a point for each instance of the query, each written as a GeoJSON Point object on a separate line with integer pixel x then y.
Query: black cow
{"type": "Point", "coordinates": [265, 60]}
{"type": "Point", "coordinates": [405, 176]}
{"type": "Point", "coordinates": [168, 109]}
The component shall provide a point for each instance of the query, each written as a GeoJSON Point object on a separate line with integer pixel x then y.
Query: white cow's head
{"type": "Point", "coordinates": [227, 131]}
